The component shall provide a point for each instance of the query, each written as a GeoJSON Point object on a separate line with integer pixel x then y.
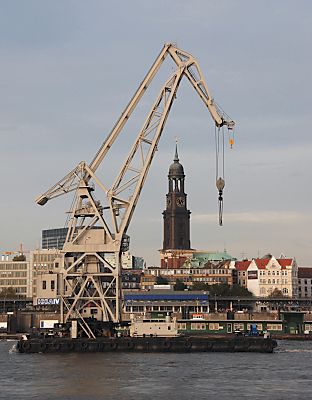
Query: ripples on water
{"type": "Point", "coordinates": [282, 375]}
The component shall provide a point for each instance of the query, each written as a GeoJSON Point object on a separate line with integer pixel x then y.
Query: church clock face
{"type": "Point", "coordinates": [180, 201]}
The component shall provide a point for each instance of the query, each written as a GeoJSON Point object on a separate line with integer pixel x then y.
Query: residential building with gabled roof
{"type": "Point", "coordinates": [241, 268]}
{"type": "Point", "coordinates": [262, 276]}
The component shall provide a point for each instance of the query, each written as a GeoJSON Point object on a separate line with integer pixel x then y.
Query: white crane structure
{"type": "Point", "coordinates": [97, 232]}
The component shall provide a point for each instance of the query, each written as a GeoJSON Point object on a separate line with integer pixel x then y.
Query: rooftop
{"type": "Point", "coordinates": [305, 272]}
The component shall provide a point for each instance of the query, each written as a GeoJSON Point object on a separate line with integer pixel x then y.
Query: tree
{"type": "Point", "coordinates": [160, 280]}
{"type": "Point", "coordinates": [240, 291]}
{"type": "Point", "coordinates": [8, 293]}
{"type": "Point", "coordinates": [200, 286]}
{"type": "Point", "coordinates": [220, 289]}
{"type": "Point", "coordinates": [179, 285]}
{"type": "Point", "coordinates": [224, 290]}
{"type": "Point", "coordinates": [276, 293]}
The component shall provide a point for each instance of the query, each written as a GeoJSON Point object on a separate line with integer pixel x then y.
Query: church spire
{"type": "Point", "coordinates": [176, 157]}
{"type": "Point", "coordinates": [176, 169]}
{"type": "Point", "coordinates": [176, 215]}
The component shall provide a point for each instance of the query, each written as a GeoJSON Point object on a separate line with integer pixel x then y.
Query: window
{"type": "Point", "coordinates": [52, 285]}
{"type": "Point", "coordinates": [285, 291]}
{"type": "Point", "coordinates": [238, 326]}
{"type": "Point", "coordinates": [198, 326]}
{"type": "Point", "coordinates": [44, 285]}
{"type": "Point", "coordinates": [308, 327]}
{"type": "Point", "coordinates": [274, 327]}
{"type": "Point", "coordinates": [214, 326]}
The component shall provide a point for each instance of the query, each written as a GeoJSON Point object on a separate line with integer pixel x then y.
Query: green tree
{"type": "Point", "coordinates": [200, 286]}
{"type": "Point", "coordinates": [276, 293]}
{"type": "Point", "coordinates": [240, 291]}
{"type": "Point", "coordinates": [160, 280]}
{"type": "Point", "coordinates": [179, 285]}
{"type": "Point", "coordinates": [220, 289]}
{"type": "Point", "coordinates": [8, 293]}
{"type": "Point", "coordinates": [224, 290]}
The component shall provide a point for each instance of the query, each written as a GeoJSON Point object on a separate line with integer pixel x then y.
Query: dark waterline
{"type": "Point", "coordinates": [282, 375]}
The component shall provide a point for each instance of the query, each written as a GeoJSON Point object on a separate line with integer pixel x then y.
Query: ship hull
{"type": "Point", "coordinates": [147, 345]}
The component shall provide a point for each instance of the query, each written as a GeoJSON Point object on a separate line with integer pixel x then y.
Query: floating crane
{"type": "Point", "coordinates": [90, 264]}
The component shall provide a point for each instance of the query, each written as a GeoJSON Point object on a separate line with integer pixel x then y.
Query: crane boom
{"type": "Point", "coordinates": [182, 60]}
{"type": "Point", "coordinates": [191, 70]}
{"type": "Point", "coordinates": [90, 259]}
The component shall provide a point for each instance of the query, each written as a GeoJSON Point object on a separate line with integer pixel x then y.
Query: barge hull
{"type": "Point", "coordinates": [147, 345]}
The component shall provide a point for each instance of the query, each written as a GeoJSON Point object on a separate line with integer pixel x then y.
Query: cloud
{"type": "Point", "coordinates": [68, 71]}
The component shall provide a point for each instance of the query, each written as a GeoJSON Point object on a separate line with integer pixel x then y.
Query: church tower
{"type": "Point", "coordinates": [176, 217]}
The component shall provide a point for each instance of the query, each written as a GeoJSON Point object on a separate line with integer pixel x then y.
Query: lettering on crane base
{"type": "Point", "coordinates": [48, 302]}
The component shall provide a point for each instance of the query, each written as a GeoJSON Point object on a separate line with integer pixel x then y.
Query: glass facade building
{"type": "Point", "coordinates": [53, 238]}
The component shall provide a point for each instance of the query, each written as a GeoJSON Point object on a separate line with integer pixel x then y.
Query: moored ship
{"type": "Point", "coordinates": [179, 344]}
{"type": "Point", "coordinates": [150, 337]}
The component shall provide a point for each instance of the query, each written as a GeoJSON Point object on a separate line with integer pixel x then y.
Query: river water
{"type": "Point", "coordinates": [285, 374]}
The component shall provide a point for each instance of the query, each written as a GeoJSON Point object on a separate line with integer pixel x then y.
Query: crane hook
{"type": "Point", "coordinates": [220, 186]}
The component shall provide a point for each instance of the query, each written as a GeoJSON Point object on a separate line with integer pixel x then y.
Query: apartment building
{"type": "Point", "coordinates": [16, 277]}
{"type": "Point", "coordinates": [261, 276]}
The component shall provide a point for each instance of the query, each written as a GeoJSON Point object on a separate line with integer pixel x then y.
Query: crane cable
{"type": "Point", "coordinates": [220, 183]}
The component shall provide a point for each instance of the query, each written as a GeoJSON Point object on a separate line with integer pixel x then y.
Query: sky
{"type": "Point", "coordinates": [69, 68]}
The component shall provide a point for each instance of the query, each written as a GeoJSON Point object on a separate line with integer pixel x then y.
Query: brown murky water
{"type": "Point", "coordinates": [282, 375]}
